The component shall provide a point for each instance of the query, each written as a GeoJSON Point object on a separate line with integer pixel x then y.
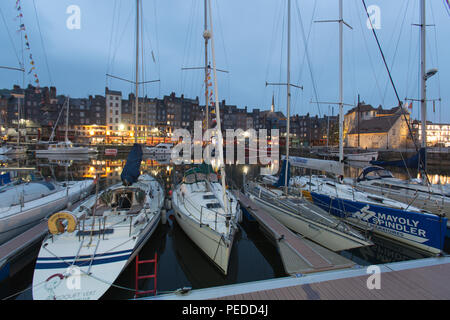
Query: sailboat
{"type": "Point", "coordinates": [25, 202]}
{"type": "Point", "coordinates": [103, 235]}
{"type": "Point", "coordinates": [15, 150]}
{"type": "Point", "coordinates": [293, 210]}
{"type": "Point", "coordinates": [82, 258]}
{"type": "Point", "coordinates": [64, 147]}
{"type": "Point", "coordinates": [422, 194]}
{"type": "Point", "coordinates": [388, 218]}
{"type": "Point", "coordinates": [206, 211]}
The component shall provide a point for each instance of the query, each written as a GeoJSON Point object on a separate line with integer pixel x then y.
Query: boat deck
{"type": "Point", "coordinates": [425, 279]}
{"type": "Point", "coordinates": [299, 255]}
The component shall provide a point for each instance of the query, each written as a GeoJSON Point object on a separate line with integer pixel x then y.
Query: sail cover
{"type": "Point", "coordinates": [282, 178]}
{"type": "Point", "coordinates": [330, 166]}
{"type": "Point", "coordinates": [131, 171]}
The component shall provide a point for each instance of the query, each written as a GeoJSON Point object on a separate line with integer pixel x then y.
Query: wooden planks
{"type": "Point", "coordinates": [429, 282]}
{"type": "Point", "coordinates": [298, 255]}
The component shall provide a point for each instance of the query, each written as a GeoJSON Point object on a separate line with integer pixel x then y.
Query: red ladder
{"type": "Point", "coordinates": [138, 277]}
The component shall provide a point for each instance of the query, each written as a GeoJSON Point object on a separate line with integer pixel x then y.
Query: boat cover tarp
{"type": "Point", "coordinates": [416, 161]}
{"type": "Point", "coordinates": [131, 171]}
{"type": "Point", "coordinates": [282, 178]}
{"type": "Point", "coordinates": [5, 179]}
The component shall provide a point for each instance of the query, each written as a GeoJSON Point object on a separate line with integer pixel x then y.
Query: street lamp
{"type": "Point", "coordinates": [430, 73]}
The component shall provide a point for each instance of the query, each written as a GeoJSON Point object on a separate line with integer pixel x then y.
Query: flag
{"type": "Point", "coordinates": [410, 106]}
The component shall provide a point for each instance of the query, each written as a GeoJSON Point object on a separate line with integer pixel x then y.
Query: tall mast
{"type": "Point", "coordinates": [288, 101]}
{"type": "Point", "coordinates": [136, 103]}
{"type": "Point", "coordinates": [206, 36]}
{"type": "Point", "coordinates": [423, 73]}
{"type": "Point", "coordinates": [341, 82]}
{"type": "Point", "coordinates": [67, 119]}
{"type": "Point", "coordinates": [219, 126]}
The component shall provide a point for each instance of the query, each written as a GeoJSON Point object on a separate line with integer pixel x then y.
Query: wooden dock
{"type": "Point", "coordinates": [299, 255]}
{"type": "Point", "coordinates": [424, 279]}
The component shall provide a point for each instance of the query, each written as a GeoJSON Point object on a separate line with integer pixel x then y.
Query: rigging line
{"type": "Point", "coordinates": [437, 62]}
{"type": "Point", "coordinates": [396, 47]}
{"type": "Point", "coordinates": [10, 39]}
{"type": "Point", "coordinates": [222, 37]}
{"type": "Point", "coordinates": [369, 55]}
{"type": "Point", "coordinates": [270, 51]}
{"type": "Point", "coordinates": [305, 41]}
{"type": "Point", "coordinates": [185, 58]}
{"type": "Point", "coordinates": [447, 6]}
{"type": "Point", "coordinates": [119, 39]}
{"type": "Point", "coordinates": [42, 44]}
{"type": "Point", "coordinates": [158, 65]}
{"type": "Point", "coordinates": [396, 93]}
{"type": "Point", "coordinates": [108, 63]}
{"type": "Point", "coordinates": [387, 68]}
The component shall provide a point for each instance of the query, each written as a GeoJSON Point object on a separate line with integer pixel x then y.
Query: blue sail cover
{"type": "Point", "coordinates": [414, 162]}
{"type": "Point", "coordinates": [131, 171]}
{"type": "Point", "coordinates": [282, 178]}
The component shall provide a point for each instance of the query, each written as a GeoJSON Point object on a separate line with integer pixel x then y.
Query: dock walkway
{"type": "Point", "coordinates": [424, 279]}
{"type": "Point", "coordinates": [299, 255]}
{"type": "Point", "coordinates": [15, 247]}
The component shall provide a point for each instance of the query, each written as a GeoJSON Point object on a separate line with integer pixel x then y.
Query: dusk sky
{"type": "Point", "coordinates": [251, 44]}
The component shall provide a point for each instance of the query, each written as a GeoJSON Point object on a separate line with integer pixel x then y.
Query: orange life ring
{"type": "Point", "coordinates": [55, 225]}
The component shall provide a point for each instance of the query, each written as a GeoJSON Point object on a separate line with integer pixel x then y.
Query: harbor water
{"type": "Point", "coordinates": [180, 263]}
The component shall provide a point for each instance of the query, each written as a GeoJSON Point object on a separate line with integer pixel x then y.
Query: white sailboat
{"type": "Point", "coordinates": [161, 149]}
{"type": "Point", "coordinates": [422, 194]}
{"type": "Point", "coordinates": [110, 229]}
{"type": "Point", "coordinates": [104, 234]}
{"type": "Point", "coordinates": [206, 211]}
{"type": "Point", "coordinates": [23, 204]}
{"type": "Point", "coordinates": [293, 210]}
{"type": "Point", "coordinates": [15, 150]}
{"type": "Point", "coordinates": [380, 181]}
{"type": "Point", "coordinates": [64, 147]}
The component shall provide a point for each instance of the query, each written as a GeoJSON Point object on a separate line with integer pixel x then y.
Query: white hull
{"type": "Point", "coordinates": [62, 151]}
{"type": "Point", "coordinates": [209, 241]}
{"type": "Point", "coordinates": [84, 264]}
{"type": "Point", "coordinates": [11, 150]}
{"type": "Point", "coordinates": [16, 219]}
{"type": "Point", "coordinates": [362, 157]}
{"type": "Point", "coordinates": [321, 234]}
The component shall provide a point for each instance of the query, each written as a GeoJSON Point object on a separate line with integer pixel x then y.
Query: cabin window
{"type": "Point", "coordinates": [213, 205]}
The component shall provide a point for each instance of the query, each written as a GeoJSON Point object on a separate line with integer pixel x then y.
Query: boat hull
{"type": "Point", "coordinates": [323, 235]}
{"type": "Point", "coordinates": [20, 218]}
{"type": "Point", "coordinates": [435, 204]}
{"type": "Point", "coordinates": [95, 270]}
{"type": "Point", "coordinates": [362, 157]}
{"type": "Point", "coordinates": [423, 231]}
{"type": "Point", "coordinates": [212, 243]}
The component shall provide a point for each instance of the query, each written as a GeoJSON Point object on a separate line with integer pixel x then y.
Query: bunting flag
{"type": "Point", "coordinates": [410, 106]}
{"type": "Point", "coordinates": [22, 28]}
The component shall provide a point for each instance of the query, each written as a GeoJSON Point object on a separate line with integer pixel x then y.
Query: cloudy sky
{"type": "Point", "coordinates": [251, 45]}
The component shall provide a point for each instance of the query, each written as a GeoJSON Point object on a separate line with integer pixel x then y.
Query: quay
{"type": "Point", "coordinates": [424, 279]}
{"type": "Point", "coordinates": [20, 251]}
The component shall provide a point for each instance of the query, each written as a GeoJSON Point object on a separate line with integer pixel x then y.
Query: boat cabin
{"type": "Point", "coordinates": [122, 200]}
